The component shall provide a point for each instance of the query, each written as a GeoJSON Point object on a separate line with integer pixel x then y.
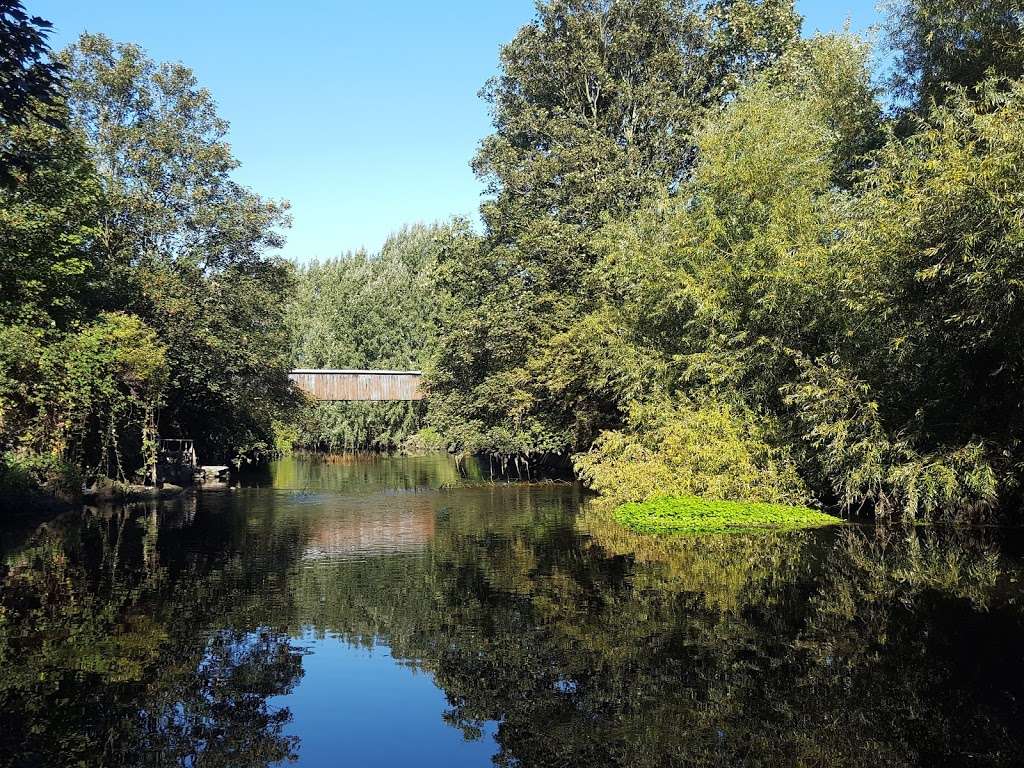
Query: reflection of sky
{"type": "Point", "coordinates": [361, 708]}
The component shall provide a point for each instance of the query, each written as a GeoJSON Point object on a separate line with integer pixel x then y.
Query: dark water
{"type": "Point", "coordinates": [378, 613]}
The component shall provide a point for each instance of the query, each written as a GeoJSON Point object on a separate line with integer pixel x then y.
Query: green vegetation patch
{"type": "Point", "coordinates": [691, 514]}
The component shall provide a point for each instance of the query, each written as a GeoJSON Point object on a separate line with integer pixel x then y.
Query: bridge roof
{"type": "Point", "coordinates": [354, 370]}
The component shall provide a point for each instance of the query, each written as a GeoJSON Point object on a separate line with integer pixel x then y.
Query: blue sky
{"type": "Point", "coordinates": [363, 115]}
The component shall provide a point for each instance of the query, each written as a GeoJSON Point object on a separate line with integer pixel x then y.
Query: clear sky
{"type": "Point", "coordinates": [364, 115]}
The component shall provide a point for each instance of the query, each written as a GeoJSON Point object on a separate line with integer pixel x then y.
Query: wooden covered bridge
{"type": "Point", "coordinates": [354, 384]}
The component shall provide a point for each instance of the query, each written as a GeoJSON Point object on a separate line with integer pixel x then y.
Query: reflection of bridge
{"type": "Point", "coordinates": [384, 526]}
{"type": "Point", "coordinates": [346, 384]}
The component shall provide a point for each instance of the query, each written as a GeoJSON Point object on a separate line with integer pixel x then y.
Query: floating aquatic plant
{"type": "Point", "coordinates": [691, 514]}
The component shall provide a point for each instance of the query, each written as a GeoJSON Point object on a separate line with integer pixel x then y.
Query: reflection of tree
{"type": "Point", "coordinates": [125, 636]}
{"type": "Point", "coordinates": [362, 473]}
{"type": "Point", "coordinates": [104, 659]}
{"type": "Point", "coordinates": [608, 649]}
{"type": "Point", "coordinates": [923, 648]}
{"type": "Point", "coordinates": [216, 713]}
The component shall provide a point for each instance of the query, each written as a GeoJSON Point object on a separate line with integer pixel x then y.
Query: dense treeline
{"type": "Point", "coordinates": [722, 260]}
{"type": "Point", "coordinates": [137, 294]}
{"type": "Point", "coordinates": [717, 259]}
{"type": "Point", "coordinates": [367, 311]}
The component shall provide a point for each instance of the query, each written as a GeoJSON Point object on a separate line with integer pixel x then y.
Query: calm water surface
{"type": "Point", "coordinates": [386, 612]}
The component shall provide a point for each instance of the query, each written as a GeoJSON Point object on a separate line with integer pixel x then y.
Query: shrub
{"type": "Point", "coordinates": [24, 474]}
{"type": "Point", "coordinates": [427, 440]}
{"type": "Point", "coordinates": [868, 465]}
{"type": "Point", "coordinates": [716, 451]}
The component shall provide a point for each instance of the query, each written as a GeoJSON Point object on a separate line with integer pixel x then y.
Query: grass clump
{"type": "Point", "coordinates": [691, 514]}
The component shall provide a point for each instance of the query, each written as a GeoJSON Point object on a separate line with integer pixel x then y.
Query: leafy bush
{"type": "Point", "coordinates": [23, 473]}
{"type": "Point", "coordinates": [695, 515]}
{"type": "Point", "coordinates": [357, 426]}
{"type": "Point", "coordinates": [715, 450]}
{"type": "Point", "coordinates": [427, 440]}
{"type": "Point", "coordinates": [97, 386]}
{"type": "Point", "coordinates": [286, 437]}
{"type": "Point", "coordinates": [866, 465]}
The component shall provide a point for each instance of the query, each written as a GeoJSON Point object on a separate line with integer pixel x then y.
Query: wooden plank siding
{"type": "Point", "coordinates": [347, 384]}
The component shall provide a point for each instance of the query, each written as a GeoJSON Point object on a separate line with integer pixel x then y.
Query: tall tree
{"type": "Point", "coordinates": [953, 42]}
{"type": "Point", "coordinates": [715, 289]}
{"type": "Point", "coordinates": [190, 246]}
{"type": "Point", "coordinates": [48, 268]}
{"type": "Point", "coordinates": [367, 310]}
{"type": "Point", "coordinates": [594, 111]}
{"type": "Point", "coordinates": [29, 79]}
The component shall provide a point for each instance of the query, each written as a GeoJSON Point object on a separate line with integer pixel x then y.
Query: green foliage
{"type": "Point", "coordinates": [48, 218]}
{"type": "Point", "coordinates": [366, 311]}
{"type": "Point", "coordinates": [715, 451]}
{"type": "Point", "coordinates": [594, 108]}
{"type": "Point", "coordinates": [82, 405]}
{"type": "Point", "coordinates": [867, 465]}
{"type": "Point", "coordinates": [357, 426]}
{"type": "Point", "coordinates": [918, 411]}
{"type": "Point", "coordinates": [696, 515]}
{"type": "Point", "coordinates": [721, 281]}
{"type": "Point", "coordinates": [95, 385]}
{"type": "Point", "coordinates": [29, 81]}
{"type": "Point", "coordinates": [19, 357]}
{"type": "Point", "coordinates": [425, 441]}
{"type": "Point", "coordinates": [868, 304]}
{"type": "Point", "coordinates": [23, 474]}
{"type": "Point", "coordinates": [935, 279]}
{"type": "Point", "coordinates": [824, 303]}
{"type": "Point", "coordinates": [286, 437]}
{"type": "Point", "coordinates": [944, 43]}
{"type": "Point", "coordinates": [188, 244]}
{"type": "Point", "coordinates": [137, 297]}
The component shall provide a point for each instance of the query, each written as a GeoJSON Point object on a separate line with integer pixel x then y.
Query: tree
{"type": "Point", "coordinates": [29, 80]}
{"type": "Point", "coordinates": [863, 309]}
{"type": "Point", "coordinates": [96, 385]}
{"type": "Point", "coordinates": [942, 43]}
{"type": "Point", "coordinates": [188, 244]}
{"type": "Point", "coordinates": [50, 273]}
{"type": "Point", "coordinates": [719, 286]}
{"type": "Point", "coordinates": [594, 111]}
{"type": "Point", "coordinates": [920, 409]}
{"type": "Point", "coordinates": [366, 311]}
{"type": "Point", "coordinates": [53, 281]}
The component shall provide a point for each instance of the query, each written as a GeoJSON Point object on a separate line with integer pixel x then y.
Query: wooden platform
{"type": "Point", "coordinates": [331, 385]}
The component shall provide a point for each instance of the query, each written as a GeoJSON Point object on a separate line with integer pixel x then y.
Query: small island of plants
{"type": "Point", "coordinates": [692, 514]}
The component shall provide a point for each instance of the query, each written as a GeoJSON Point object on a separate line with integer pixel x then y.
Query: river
{"type": "Point", "coordinates": [391, 612]}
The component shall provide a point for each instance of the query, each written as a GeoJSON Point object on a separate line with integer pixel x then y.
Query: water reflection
{"type": "Point", "coordinates": [378, 612]}
{"type": "Point", "coordinates": [363, 474]}
{"type": "Point", "coordinates": [352, 531]}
